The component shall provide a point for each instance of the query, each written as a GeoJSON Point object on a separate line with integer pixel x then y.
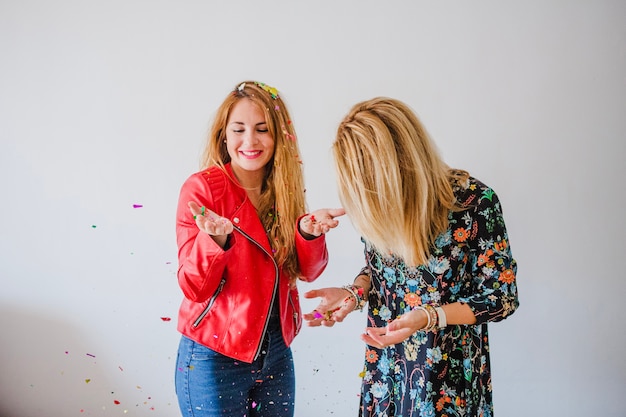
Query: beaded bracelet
{"type": "Point", "coordinates": [356, 292]}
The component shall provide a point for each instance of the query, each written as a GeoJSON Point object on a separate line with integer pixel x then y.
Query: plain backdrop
{"type": "Point", "coordinates": [104, 106]}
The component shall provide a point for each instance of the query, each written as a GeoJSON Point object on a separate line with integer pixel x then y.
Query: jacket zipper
{"type": "Point", "coordinates": [295, 312]}
{"type": "Point", "coordinates": [274, 292]}
{"type": "Point", "coordinates": [196, 323]}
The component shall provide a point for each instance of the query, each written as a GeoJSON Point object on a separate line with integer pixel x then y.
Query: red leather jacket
{"type": "Point", "coordinates": [228, 292]}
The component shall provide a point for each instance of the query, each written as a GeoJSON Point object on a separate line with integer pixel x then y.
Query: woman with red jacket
{"type": "Point", "coordinates": [244, 239]}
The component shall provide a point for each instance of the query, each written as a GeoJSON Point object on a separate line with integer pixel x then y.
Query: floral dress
{"type": "Point", "coordinates": [445, 372]}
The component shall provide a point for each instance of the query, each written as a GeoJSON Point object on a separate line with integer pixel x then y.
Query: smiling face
{"type": "Point", "coordinates": [250, 145]}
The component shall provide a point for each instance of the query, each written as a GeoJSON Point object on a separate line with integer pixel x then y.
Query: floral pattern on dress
{"type": "Point", "coordinates": [445, 373]}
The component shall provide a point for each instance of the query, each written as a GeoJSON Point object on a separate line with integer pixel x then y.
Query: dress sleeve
{"type": "Point", "coordinates": [492, 294]}
{"type": "Point", "coordinates": [201, 261]}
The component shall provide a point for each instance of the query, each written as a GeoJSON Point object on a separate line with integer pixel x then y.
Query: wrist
{"type": "Point", "coordinates": [432, 318]}
{"type": "Point", "coordinates": [356, 293]}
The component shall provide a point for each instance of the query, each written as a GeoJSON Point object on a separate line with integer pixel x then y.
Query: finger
{"type": "Point", "coordinates": [313, 293]}
{"type": "Point", "coordinates": [308, 316]}
{"type": "Point", "coordinates": [195, 208]}
{"type": "Point", "coordinates": [371, 342]}
{"type": "Point", "coordinates": [338, 212]}
{"type": "Point", "coordinates": [313, 323]}
{"type": "Point", "coordinates": [378, 338]}
{"type": "Point", "coordinates": [379, 331]}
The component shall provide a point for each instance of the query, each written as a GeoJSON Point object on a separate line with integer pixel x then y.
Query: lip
{"type": "Point", "coordinates": [250, 154]}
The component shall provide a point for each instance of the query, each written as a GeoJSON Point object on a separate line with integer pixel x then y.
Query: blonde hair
{"type": "Point", "coordinates": [392, 182]}
{"type": "Point", "coordinates": [282, 193]}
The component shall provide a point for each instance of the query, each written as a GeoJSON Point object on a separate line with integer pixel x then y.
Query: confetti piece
{"type": "Point", "coordinates": [121, 368]}
{"type": "Point", "coordinates": [166, 318]}
{"type": "Point", "coordinates": [116, 402]}
{"type": "Point", "coordinates": [137, 205]}
{"type": "Point", "coordinates": [87, 381]}
{"type": "Point", "coordinates": [89, 354]}
{"type": "Point", "coordinates": [93, 226]}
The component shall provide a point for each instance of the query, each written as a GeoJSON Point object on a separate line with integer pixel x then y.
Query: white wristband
{"type": "Point", "coordinates": [441, 314]}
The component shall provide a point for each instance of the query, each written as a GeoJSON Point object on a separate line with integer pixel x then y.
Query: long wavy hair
{"type": "Point", "coordinates": [392, 182]}
{"type": "Point", "coordinates": [282, 193]}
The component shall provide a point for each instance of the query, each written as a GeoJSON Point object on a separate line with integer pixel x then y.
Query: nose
{"type": "Point", "coordinates": [250, 137]}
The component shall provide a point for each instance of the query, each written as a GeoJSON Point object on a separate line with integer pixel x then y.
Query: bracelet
{"type": "Point", "coordinates": [427, 316]}
{"type": "Point", "coordinates": [356, 292]}
{"type": "Point", "coordinates": [441, 314]}
{"type": "Point", "coordinates": [431, 314]}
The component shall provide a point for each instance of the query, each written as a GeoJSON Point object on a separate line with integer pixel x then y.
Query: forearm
{"type": "Point", "coordinates": [458, 313]}
{"type": "Point", "coordinates": [364, 282]}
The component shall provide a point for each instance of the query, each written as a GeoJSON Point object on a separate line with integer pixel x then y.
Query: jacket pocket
{"type": "Point", "coordinates": [198, 320]}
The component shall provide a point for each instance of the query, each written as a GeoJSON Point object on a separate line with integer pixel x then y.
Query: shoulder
{"type": "Point", "coordinates": [471, 192]}
{"type": "Point", "coordinates": [212, 180]}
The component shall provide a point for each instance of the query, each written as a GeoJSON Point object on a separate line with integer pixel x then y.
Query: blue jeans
{"type": "Point", "coordinates": [209, 384]}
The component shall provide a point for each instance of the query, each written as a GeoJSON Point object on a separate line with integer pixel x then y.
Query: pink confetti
{"type": "Point", "coordinates": [166, 318]}
{"type": "Point", "coordinates": [137, 205]}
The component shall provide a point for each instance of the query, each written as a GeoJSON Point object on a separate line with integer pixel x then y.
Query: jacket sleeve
{"type": "Point", "coordinates": [312, 256]}
{"type": "Point", "coordinates": [493, 287]}
{"type": "Point", "coordinates": [201, 261]}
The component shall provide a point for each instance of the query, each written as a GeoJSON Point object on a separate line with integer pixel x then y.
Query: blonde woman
{"type": "Point", "coordinates": [438, 267]}
{"type": "Point", "coordinates": [244, 239]}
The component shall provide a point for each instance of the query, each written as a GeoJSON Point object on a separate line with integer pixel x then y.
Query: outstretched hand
{"type": "Point", "coordinates": [320, 221]}
{"type": "Point", "coordinates": [335, 304]}
{"type": "Point", "coordinates": [396, 332]}
{"type": "Point", "coordinates": [209, 222]}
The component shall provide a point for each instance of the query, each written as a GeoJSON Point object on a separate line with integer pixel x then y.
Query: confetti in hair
{"type": "Point", "coordinates": [273, 92]}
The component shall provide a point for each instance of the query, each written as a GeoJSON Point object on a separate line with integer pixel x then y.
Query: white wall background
{"type": "Point", "coordinates": [105, 104]}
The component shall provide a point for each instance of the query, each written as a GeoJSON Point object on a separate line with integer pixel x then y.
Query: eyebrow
{"type": "Point", "coordinates": [242, 123]}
